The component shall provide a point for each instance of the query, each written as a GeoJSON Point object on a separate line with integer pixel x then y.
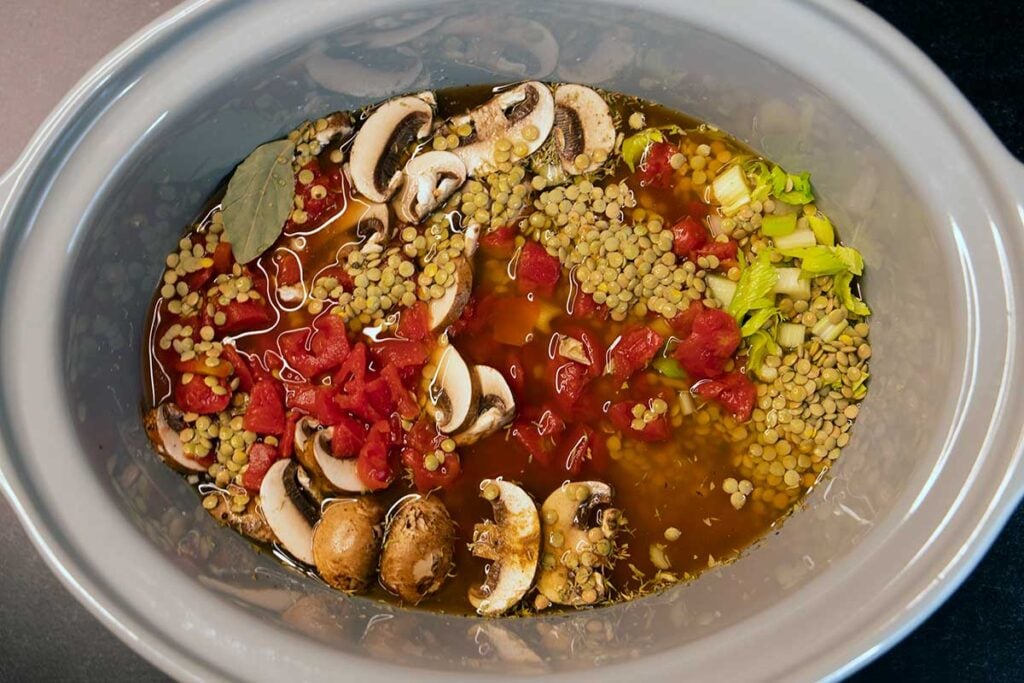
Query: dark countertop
{"type": "Point", "coordinates": [977, 635]}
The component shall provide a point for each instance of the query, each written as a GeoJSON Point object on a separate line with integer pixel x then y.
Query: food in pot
{"type": "Point", "coordinates": [507, 350]}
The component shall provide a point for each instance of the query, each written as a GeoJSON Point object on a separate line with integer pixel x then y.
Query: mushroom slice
{"type": "Point", "coordinates": [374, 224]}
{"type": "Point", "coordinates": [339, 473]}
{"type": "Point", "coordinates": [507, 115]}
{"type": "Point", "coordinates": [454, 391]}
{"type": "Point", "coordinates": [579, 530]}
{"type": "Point", "coordinates": [472, 238]}
{"type": "Point", "coordinates": [164, 425]}
{"type": "Point", "coordinates": [572, 348]}
{"type": "Point", "coordinates": [583, 129]}
{"type": "Point", "coordinates": [289, 513]}
{"type": "Point", "coordinates": [379, 145]}
{"type": "Point", "coordinates": [430, 179]}
{"type": "Point", "coordinates": [497, 406]}
{"type": "Point", "coordinates": [512, 542]}
{"type": "Point", "coordinates": [446, 310]}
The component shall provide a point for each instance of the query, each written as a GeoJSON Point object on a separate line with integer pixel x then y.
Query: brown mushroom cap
{"type": "Point", "coordinates": [346, 542]}
{"type": "Point", "coordinates": [418, 549]}
{"type": "Point", "coordinates": [379, 145]}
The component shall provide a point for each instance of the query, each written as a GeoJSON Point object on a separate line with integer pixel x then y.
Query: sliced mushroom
{"type": "Point", "coordinates": [346, 542]}
{"type": "Point", "coordinates": [313, 448]}
{"type": "Point", "coordinates": [351, 76]}
{"type": "Point", "coordinates": [454, 392]}
{"type": "Point", "coordinates": [374, 224]}
{"type": "Point", "coordinates": [382, 141]}
{"type": "Point", "coordinates": [573, 349]}
{"type": "Point", "coordinates": [472, 238]}
{"type": "Point", "coordinates": [164, 425]}
{"type": "Point", "coordinates": [511, 542]}
{"type": "Point", "coordinates": [419, 545]}
{"type": "Point", "coordinates": [579, 527]}
{"type": "Point", "coordinates": [506, 115]}
{"type": "Point", "coordinates": [430, 179]}
{"type": "Point", "coordinates": [584, 132]}
{"type": "Point", "coordinates": [496, 409]}
{"type": "Point", "coordinates": [446, 310]}
{"type": "Point", "coordinates": [287, 509]}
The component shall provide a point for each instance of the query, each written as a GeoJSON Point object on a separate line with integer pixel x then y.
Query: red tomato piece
{"type": "Point", "coordinates": [223, 259]}
{"type": "Point", "coordinates": [377, 394]}
{"type": "Point", "coordinates": [414, 322]}
{"type": "Point", "coordinates": [196, 397]}
{"type": "Point", "coordinates": [634, 350]}
{"type": "Point", "coordinates": [592, 348]}
{"type": "Point", "coordinates": [403, 399]}
{"type": "Point", "coordinates": [289, 270]}
{"type": "Point", "coordinates": [537, 268]}
{"type": "Point", "coordinates": [500, 241]}
{"type": "Point", "coordinates": [199, 366]}
{"type": "Point", "coordinates": [326, 408]}
{"type": "Point", "coordinates": [288, 438]}
{"type": "Point", "coordinates": [687, 237]}
{"type": "Point", "coordinates": [584, 306]}
{"type": "Point", "coordinates": [321, 352]}
{"type": "Point", "coordinates": [725, 252]}
{"type": "Point", "coordinates": [538, 446]}
{"type": "Point", "coordinates": [576, 448]}
{"type": "Point", "coordinates": [571, 379]}
{"type": "Point", "coordinates": [347, 440]}
{"type": "Point", "coordinates": [245, 316]}
{"type": "Point", "coordinates": [265, 413]}
{"type": "Point", "coordinates": [407, 357]}
{"type": "Point", "coordinates": [261, 457]}
{"type": "Point", "coordinates": [375, 465]}
{"type": "Point", "coordinates": [656, 171]}
{"type": "Point", "coordinates": [549, 423]}
{"type": "Point", "coordinates": [734, 392]}
{"type": "Point", "coordinates": [196, 280]}
{"type": "Point", "coordinates": [300, 396]}
{"type": "Point", "coordinates": [621, 415]}
{"type": "Point", "coordinates": [352, 373]}
{"type": "Point", "coordinates": [714, 337]}
{"type": "Point", "coordinates": [425, 480]}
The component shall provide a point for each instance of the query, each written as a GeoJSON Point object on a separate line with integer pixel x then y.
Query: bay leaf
{"type": "Point", "coordinates": [259, 198]}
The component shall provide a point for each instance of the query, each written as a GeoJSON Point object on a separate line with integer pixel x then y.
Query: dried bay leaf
{"type": "Point", "coordinates": [259, 198]}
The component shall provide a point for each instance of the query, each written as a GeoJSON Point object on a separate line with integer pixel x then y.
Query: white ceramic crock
{"type": "Point", "coordinates": [908, 170]}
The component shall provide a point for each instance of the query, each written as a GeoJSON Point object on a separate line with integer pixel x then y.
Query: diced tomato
{"type": "Point", "coordinates": [423, 436]}
{"type": "Point", "coordinates": [407, 357]}
{"type": "Point", "coordinates": [499, 242]}
{"type": "Point", "coordinates": [196, 280]}
{"type": "Point", "coordinates": [725, 252]}
{"type": "Point", "coordinates": [317, 207]}
{"type": "Point", "coordinates": [222, 258]}
{"type": "Point", "coordinates": [470, 321]}
{"type": "Point", "coordinates": [300, 396]}
{"type": "Point", "coordinates": [714, 337]}
{"type": "Point", "coordinates": [321, 352]}
{"type": "Point", "coordinates": [289, 270]}
{"type": "Point", "coordinates": [402, 397]}
{"type": "Point", "coordinates": [584, 306]}
{"type": "Point", "coordinates": [682, 324]}
{"type": "Point", "coordinates": [265, 413]}
{"type": "Point", "coordinates": [576, 448]}
{"type": "Point", "coordinates": [375, 466]}
{"type": "Point", "coordinates": [734, 392]}
{"type": "Point", "coordinates": [515, 373]}
{"type": "Point", "coordinates": [246, 379]}
{"type": "Point", "coordinates": [537, 270]}
{"type": "Point", "coordinates": [549, 423]}
{"type": "Point", "coordinates": [288, 438]}
{"type": "Point", "coordinates": [196, 397]}
{"type": "Point", "coordinates": [571, 379]}
{"type": "Point", "coordinates": [688, 236]}
{"type": "Point", "coordinates": [325, 406]}
{"type": "Point", "coordinates": [540, 447]}
{"type": "Point", "coordinates": [199, 366]}
{"type": "Point", "coordinates": [514, 319]}
{"type": "Point", "coordinates": [621, 415]}
{"type": "Point", "coordinates": [348, 437]}
{"type": "Point", "coordinates": [425, 480]}
{"type": "Point", "coordinates": [414, 322]}
{"type": "Point", "coordinates": [377, 394]}
{"type": "Point", "coordinates": [245, 316]}
{"type": "Point", "coordinates": [634, 350]}
{"type": "Point", "coordinates": [656, 171]}
{"type": "Point", "coordinates": [592, 349]}
{"type": "Point", "coordinates": [261, 457]}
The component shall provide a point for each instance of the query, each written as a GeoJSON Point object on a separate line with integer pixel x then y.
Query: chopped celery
{"type": "Point", "coordinates": [731, 191]}
{"type": "Point", "coordinates": [754, 290]}
{"type": "Point", "coordinates": [859, 387]}
{"type": "Point", "coordinates": [758, 173]}
{"type": "Point", "coordinates": [828, 331]}
{"type": "Point", "coordinates": [791, 335]}
{"type": "Point", "coordinates": [790, 188]}
{"type": "Point", "coordinates": [634, 146]}
{"type": "Point", "coordinates": [758, 319]}
{"type": "Point", "coordinates": [822, 228]}
{"type": "Point", "coordinates": [669, 367]}
{"type": "Point", "coordinates": [798, 239]}
{"type": "Point", "coordinates": [761, 344]}
{"type": "Point", "coordinates": [842, 288]}
{"type": "Point", "coordinates": [817, 260]}
{"type": "Point", "coordinates": [851, 257]}
{"type": "Point", "coordinates": [778, 225]}
{"type": "Point", "coordinates": [722, 288]}
{"type": "Point", "coordinates": [791, 284]}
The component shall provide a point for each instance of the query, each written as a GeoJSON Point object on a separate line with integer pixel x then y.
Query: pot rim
{"type": "Point", "coordinates": [1007, 180]}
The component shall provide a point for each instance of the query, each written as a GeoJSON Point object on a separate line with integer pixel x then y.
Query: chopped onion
{"type": "Point", "coordinates": [791, 335]}
{"type": "Point", "coordinates": [722, 288]}
{"type": "Point", "coordinates": [791, 284]}
{"type": "Point", "coordinates": [802, 237]}
{"type": "Point", "coordinates": [731, 191]}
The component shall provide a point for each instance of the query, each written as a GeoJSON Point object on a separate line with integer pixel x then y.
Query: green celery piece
{"type": "Point", "coordinates": [761, 344]}
{"type": "Point", "coordinates": [822, 228]}
{"type": "Point", "coordinates": [842, 288]}
{"type": "Point", "coordinates": [818, 260]}
{"type": "Point", "coordinates": [758, 319]}
{"type": "Point", "coordinates": [755, 285]}
{"type": "Point", "coordinates": [669, 367]}
{"type": "Point", "coordinates": [635, 145]}
{"type": "Point", "coordinates": [778, 226]}
{"type": "Point", "coordinates": [801, 192]}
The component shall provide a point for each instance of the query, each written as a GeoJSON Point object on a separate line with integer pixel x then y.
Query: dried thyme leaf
{"type": "Point", "coordinates": [259, 199]}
